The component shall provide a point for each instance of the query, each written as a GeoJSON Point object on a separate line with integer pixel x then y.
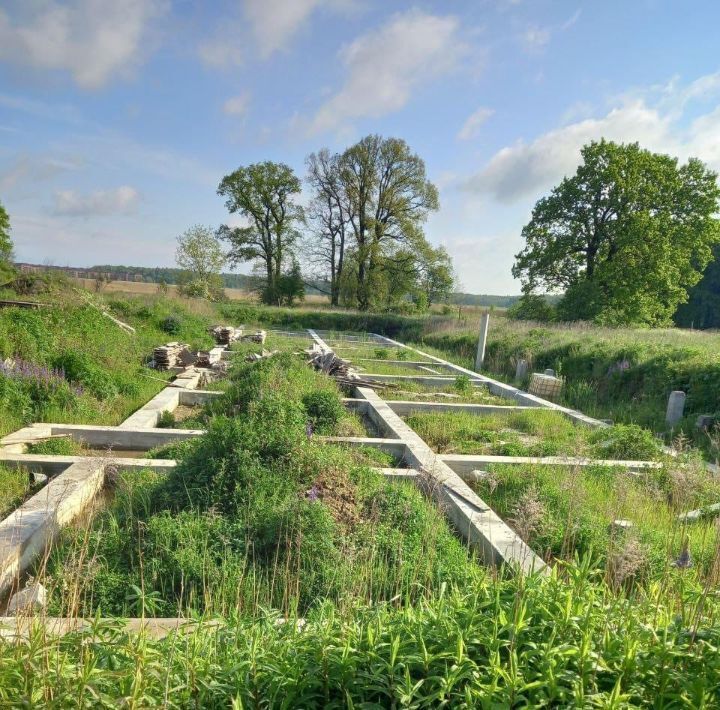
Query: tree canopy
{"type": "Point", "coordinates": [369, 206]}
{"type": "Point", "coordinates": [6, 247]}
{"type": "Point", "coordinates": [625, 237]}
{"type": "Point", "coordinates": [201, 257]}
{"type": "Point", "coordinates": [263, 193]}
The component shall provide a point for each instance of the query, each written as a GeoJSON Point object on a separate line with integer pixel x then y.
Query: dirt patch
{"type": "Point", "coordinates": [337, 493]}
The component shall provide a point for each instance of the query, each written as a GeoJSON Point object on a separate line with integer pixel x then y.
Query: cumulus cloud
{"type": "Point", "coordinates": [94, 40]}
{"type": "Point", "coordinates": [529, 168]}
{"type": "Point", "coordinates": [237, 105]}
{"type": "Point", "coordinates": [474, 122]}
{"type": "Point", "coordinates": [385, 65]}
{"type": "Point", "coordinates": [121, 200]}
{"type": "Point", "coordinates": [275, 21]}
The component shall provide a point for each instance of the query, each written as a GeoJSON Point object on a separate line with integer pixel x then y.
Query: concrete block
{"type": "Point", "coordinates": [521, 370]}
{"type": "Point", "coordinates": [30, 600]}
{"type": "Point", "coordinates": [675, 408]}
{"type": "Point", "coordinates": [705, 422]}
{"type": "Point", "coordinates": [620, 526]}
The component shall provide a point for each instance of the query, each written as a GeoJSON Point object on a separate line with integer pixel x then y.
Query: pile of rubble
{"type": "Point", "coordinates": [254, 357]}
{"type": "Point", "coordinates": [226, 334]}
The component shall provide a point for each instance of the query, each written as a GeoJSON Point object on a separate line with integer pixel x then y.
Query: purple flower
{"type": "Point", "coordinates": [309, 430]}
{"type": "Point", "coordinates": [313, 494]}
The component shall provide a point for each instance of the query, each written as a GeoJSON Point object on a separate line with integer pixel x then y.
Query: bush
{"type": "Point", "coordinates": [324, 409]}
{"type": "Point", "coordinates": [79, 367]}
{"type": "Point", "coordinates": [531, 307]}
{"type": "Point", "coordinates": [171, 325]}
{"type": "Point", "coordinates": [625, 441]}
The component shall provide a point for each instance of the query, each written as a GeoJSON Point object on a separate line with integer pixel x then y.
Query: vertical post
{"type": "Point", "coordinates": [484, 324]}
{"type": "Point", "coordinates": [521, 370]}
{"type": "Point", "coordinates": [675, 407]}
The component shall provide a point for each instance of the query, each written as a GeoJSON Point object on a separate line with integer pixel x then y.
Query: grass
{"type": "Point", "coordinates": [259, 513]}
{"type": "Point", "coordinates": [72, 365]}
{"type": "Point", "coordinates": [567, 641]}
{"type": "Point", "coordinates": [533, 432]}
{"type": "Point", "coordinates": [456, 391]}
{"type": "Point", "coordinates": [14, 488]}
{"type": "Point", "coordinates": [566, 512]}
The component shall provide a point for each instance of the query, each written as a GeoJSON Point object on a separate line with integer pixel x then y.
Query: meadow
{"type": "Point", "coordinates": [312, 580]}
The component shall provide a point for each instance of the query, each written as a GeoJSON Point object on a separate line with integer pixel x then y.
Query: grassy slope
{"type": "Point", "coordinates": [105, 379]}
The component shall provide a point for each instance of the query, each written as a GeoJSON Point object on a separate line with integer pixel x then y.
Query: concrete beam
{"type": "Point", "coordinates": [465, 463]}
{"type": "Point", "coordinates": [53, 465]}
{"type": "Point", "coordinates": [472, 517]}
{"type": "Point", "coordinates": [20, 627]}
{"type": "Point", "coordinates": [148, 415]}
{"type": "Point", "coordinates": [125, 438]}
{"type": "Point", "coordinates": [28, 532]}
{"type": "Point", "coordinates": [193, 398]}
{"type": "Point", "coordinates": [404, 408]}
{"type": "Point", "coordinates": [399, 474]}
{"type": "Point", "coordinates": [389, 446]}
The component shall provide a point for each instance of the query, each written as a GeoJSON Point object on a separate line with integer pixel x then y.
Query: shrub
{"type": "Point", "coordinates": [79, 367]}
{"type": "Point", "coordinates": [171, 325]}
{"type": "Point", "coordinates": [324, 409]}
{"type": "Point", "coordinates": [166, 420]}
{"type": "Point", "coordinates": [625, 441]}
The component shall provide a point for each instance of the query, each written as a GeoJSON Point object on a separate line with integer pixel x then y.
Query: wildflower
{"type": "Point", "coordinates": [684, 559]}
{"type": "Point", "coordinates": [309, 430]}
{"type": "Point", "coordinates": [313, 494]}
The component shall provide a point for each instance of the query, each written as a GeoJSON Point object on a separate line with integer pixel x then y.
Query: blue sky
{"type": "Point", "coordinates": [118, 118]}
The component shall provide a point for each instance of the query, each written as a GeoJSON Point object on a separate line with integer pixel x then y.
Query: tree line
{"type": "Point", "coordinates": [361, 235]}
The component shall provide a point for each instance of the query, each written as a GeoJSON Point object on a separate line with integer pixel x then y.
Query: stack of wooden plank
{"type": "Point", "coordinates": [172, 355]}
{"type": "Point", "coordinates": [257, 337]}
{"type": "Point", "coordinates": [226, 334]}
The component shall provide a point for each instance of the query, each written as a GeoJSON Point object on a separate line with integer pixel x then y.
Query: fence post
{"type": "Point", "coordinates": [484, 325]}
{"type": "Point", "coordinates": [675, 407]}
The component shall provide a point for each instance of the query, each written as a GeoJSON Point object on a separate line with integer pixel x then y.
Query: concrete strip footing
{"type": "Point", "coordinates": [394, 447]}
{"type": "Point", "coordinates": [466, 463]}
{"type": "Point", "coordinates": [403, 408]}
{"type": "Point", "coordinates": [472, 517]}
{"type": "Point", "coordinates": [53, 465]}
{"type": "Point", "coordinates": [124, 438]}
{"type": "Point", "coordinates": [20, 627]}
{"type": "Point", "coordinates": [28, 532]}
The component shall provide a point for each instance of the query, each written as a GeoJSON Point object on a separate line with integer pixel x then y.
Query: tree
{"type": "Point", "coordinates": [388, 198]}
{"type": "Point", "coordinates": [625, 237]}
{"type": "Point", "coordinates": [291, 286]}
{"type": "Point", "coordinates": [264, 194]}
{"type": "Point", "coordinates": [6, 247]}
{"type": "Point", "coordinates": [7, 272]}
{"type": "Point", "coordinates": [702, 309]}
{"type": "Point", "coordinates": [201, 257]}
{"type": "Point", "coordinates": [328, 215]}
{"type": "Point", "coordinates": [436, 276]}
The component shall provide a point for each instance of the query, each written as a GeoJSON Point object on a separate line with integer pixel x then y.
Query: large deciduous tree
{"type": "Point", "coordinates": [328, 217]}
{"type": "Point", "coordinates": [624, 237]}
{"type": "Point", "coordinates": [263, 193]}
{"type": "Point", "coordinates": [201, 257]}
{"type": "Point", "coordinates": [372, 201]}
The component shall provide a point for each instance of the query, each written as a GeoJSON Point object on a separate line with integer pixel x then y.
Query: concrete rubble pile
{"type": "Point", "coordinates": [254, 357]}
{"type": "Point", "coordinates": [226, 334]}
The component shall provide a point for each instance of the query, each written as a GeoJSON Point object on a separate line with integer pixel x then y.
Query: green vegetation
{"type": "Point", "coordinates": [567, 641]}
{"type": "Point", "coordinates": [68, 363]}
{"type": "Point", "coordinates": [531, 433]}
{"type": "Point", "coordinates": [200, 256]}
{"type": "Point", "coordinates": [14, 486]}
{"type": "Point", "coordinates": [258, 513]}
{"type": "Point", "coordinates": [623, 238]}
{"type": "Point", "coordinates": [568, 513]}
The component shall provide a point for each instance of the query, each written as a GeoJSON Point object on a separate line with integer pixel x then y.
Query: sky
{"type": "Point", "coordinates": [118, 118]}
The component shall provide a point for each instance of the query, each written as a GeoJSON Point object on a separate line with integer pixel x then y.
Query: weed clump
{"type": "Point", "coordinates": [324, 409]}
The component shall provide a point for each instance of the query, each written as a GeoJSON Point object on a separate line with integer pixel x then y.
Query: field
{"type": "Point", "coordinates": [315, 572]}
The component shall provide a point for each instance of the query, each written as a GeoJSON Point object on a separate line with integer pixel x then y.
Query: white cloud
{"type": "Point", "coordinates": [385, 65]}
{"type": "Point", "coordinates": [121, 200]}
{"type": "Point", "coordinates": [237, 105]}
{"type": "Point", "coordinates": [527, 169]}
{"type": "Point", "coordinates": [474, 122]}
{"type": "Point", "coordinates": [275, 21]}
{"type": "Point", "coordinates": [94, 40]}
{"type": "Point", "coordinates": [221, 52]}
